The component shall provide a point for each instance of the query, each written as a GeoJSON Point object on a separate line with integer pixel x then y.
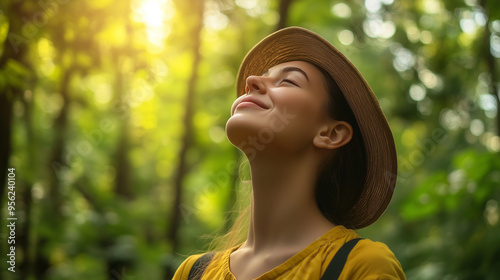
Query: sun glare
{"type": "Point", "coordinates": [156, 15]}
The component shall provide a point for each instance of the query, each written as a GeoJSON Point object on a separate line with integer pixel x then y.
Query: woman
{"type": "Point", "coordinates": [322, 161]}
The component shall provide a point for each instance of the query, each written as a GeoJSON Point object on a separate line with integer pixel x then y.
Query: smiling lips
{"type": "Point", "coordinates": [252, 102]}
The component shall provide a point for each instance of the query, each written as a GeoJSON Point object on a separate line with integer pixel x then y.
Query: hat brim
{"type": "Point", "coordinates": [299, 44]}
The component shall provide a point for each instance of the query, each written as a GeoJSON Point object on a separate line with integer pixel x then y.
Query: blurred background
{"type": "Point", "coordinates": [113, 116]}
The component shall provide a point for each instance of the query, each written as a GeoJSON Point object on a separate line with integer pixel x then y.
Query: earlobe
{"type": "Point", "coordinates": [333, 136]}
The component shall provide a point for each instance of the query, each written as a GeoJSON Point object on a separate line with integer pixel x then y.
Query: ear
{"type": "Point", "coordinates": [333, 135]}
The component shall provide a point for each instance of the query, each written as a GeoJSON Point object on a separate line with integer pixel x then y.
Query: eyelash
{"type": "Point", "coordinates": [289, 81]}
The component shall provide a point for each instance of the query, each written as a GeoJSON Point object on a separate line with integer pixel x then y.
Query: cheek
{"type": "Point", "coordinates": [303, 118]}
{"type": "Point", "coordinates": [306, 108]}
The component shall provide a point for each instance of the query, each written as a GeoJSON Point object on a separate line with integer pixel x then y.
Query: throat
{"type": "Point", "coordinates": [284, 210]}
{"type": "Point", "coordinates": [245, 263]}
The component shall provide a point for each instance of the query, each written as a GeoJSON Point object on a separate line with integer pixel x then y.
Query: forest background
{"type": "Point", "coordinates": [113, 116]}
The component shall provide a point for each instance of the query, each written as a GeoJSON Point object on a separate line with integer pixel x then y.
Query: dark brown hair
{"type": "Point", "coordinates": [341, 180]}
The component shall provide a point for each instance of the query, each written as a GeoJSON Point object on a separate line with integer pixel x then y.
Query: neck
{"type": "Point", "coordinates": [284, 209]}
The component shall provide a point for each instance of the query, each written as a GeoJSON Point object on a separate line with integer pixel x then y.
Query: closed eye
{"type": "Point", "coordinates": [290, 82]}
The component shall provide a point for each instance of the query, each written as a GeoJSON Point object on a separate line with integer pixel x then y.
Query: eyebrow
{"type": "Point", "coordinates": [290, 69]}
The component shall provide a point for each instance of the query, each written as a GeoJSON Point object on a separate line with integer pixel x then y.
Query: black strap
{"type": "Point", "coordinates": [199, 266]}
{"type": "Point", "coordinates": [332, 272]}
{"type": "Point", "coordinates": [335, 267]}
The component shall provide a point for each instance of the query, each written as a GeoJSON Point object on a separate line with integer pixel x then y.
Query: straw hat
{"type": "Point", "coordinates": [296, 43]}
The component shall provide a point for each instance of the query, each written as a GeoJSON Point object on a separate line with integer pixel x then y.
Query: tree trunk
{"type": "Point", "coordinates": [6, 103]}
{"type": "Point", "coordinates": [58, 172]}
{"type": "Point", "coordinates": [32, 148]}
{"type": "Point", "coordinates": [118, 265]}
{"type": "Point", "coordinates": [180, 173]}
{"type": "Point", "coordinates": [24, 233]}
{"type": "Point", "coordinates": [122, 162]}
{"type": "Point", "coordinates": [283, 13]}
{"type": "Point", "coordinates": [491, 63]}
{"type": "Point", "coordinates": [16, 53]}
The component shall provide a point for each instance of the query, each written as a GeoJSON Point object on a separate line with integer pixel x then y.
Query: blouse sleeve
{"type": "Point", "coordinates": [372, 261]}
{"type": "Point", "coordinates": [182, 272]}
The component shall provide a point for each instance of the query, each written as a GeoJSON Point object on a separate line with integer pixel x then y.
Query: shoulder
{"type": "Point", "coordinates": [372, 260]}
{"type": "Point", "coordinates": [182, 272]}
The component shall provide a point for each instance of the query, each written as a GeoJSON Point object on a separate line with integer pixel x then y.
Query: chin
{"type": "Point", "coordinates": [239, 130]}
{"type": "Point", "coordinates": [242, 130]}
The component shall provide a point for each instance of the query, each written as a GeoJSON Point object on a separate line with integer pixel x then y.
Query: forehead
{"type": "Point", "coordinates": [307, 67]}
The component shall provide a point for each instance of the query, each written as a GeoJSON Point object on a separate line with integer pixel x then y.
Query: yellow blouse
{"type": "Point", "coordinates": [368, 260]}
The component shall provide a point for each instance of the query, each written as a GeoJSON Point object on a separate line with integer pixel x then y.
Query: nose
{"type": "Point", "coordinates": [255, 83]}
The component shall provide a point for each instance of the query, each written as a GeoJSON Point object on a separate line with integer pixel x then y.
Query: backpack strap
{"type": "Point", "coordinates": [332, 272]}
{"type": "Point", "coordinates": [199, 266]}
{"type": "Point", "coordinates": [335, 267]}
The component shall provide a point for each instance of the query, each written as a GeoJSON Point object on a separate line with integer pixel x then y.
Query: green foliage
{"type": "Point", "coordinates": [99, 103]}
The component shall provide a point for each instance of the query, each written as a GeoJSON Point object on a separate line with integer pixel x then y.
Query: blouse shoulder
{"type": "Point", "coordinates": [182, 272]}
{"type": "Point", "coordinates": [372, 260]}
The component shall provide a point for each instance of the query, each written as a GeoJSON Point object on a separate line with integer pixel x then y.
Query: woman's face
{"type": "Point", "coordinates": [281, 109]}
